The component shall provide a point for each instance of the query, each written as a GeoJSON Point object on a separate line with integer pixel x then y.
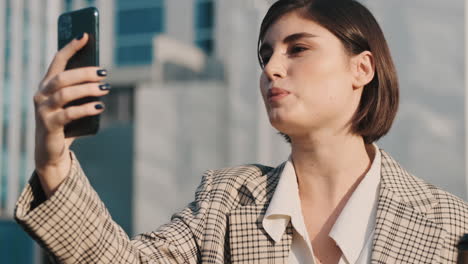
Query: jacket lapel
{"type": "Point", "coordinates": [403, 232]}
{"type": "Point", "coordinates": [248, 240]}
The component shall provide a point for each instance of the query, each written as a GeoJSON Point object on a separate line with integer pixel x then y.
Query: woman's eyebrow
{"type": "Point", "coordinates": [296, 36]}
{"type": "Point", "coordinates": [289, 39]}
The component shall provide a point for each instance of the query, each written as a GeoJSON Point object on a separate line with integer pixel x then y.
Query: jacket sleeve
{"type": "Point", "coordinates": [74, 226]}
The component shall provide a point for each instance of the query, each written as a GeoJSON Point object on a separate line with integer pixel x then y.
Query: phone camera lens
{"type": "Point", "coordinates": [65, 25]}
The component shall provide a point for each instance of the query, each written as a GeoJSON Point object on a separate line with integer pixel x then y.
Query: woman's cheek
{"type": "Point", "coordinates": [263, 86]}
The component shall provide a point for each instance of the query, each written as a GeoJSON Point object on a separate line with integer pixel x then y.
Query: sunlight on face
{"type": "Point", "coordinates": [306, 83]}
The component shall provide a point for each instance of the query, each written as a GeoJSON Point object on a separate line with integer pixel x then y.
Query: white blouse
{"type": "Point", "coordinates": [352, 231]}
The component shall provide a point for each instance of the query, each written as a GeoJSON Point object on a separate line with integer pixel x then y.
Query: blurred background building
{"type": "Point", "coordinates": [185, 99]}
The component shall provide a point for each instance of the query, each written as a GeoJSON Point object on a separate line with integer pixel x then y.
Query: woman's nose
{"type": "Point", "coordinates": [274, 69]}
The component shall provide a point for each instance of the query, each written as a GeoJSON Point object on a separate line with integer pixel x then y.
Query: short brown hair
{"type": "Point", "coordinates": [356, 28]}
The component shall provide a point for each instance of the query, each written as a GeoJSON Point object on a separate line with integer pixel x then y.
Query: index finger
{"type": "Point", "coordinates": [61, 58]}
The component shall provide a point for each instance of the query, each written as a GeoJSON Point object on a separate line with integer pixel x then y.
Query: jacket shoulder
{"type": "Point", "coordinates": [449, 211]}
{"type": "Point", "coordinates": [239, 174]}
{"type": "Point", "coordinates": [229, 186]}
{"type": "Point", "coordinates": [442, 207]}
{"type": "Point", "coordinates": [452, 209]}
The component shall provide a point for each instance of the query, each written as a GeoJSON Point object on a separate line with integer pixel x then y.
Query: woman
{"type": "Point", "coordinates": [330, 87]}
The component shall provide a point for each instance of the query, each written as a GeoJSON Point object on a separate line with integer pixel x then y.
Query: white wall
{"type": "Point", "coordinates": [252, 139]}
{"type": "Point", "coordinates": [179, 133]}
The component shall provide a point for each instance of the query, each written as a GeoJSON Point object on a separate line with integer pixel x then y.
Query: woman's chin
{"type": "Point", "coordinates": [282, 125]}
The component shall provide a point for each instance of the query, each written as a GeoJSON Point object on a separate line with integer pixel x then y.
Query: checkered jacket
{"type": "Point", "coordinates": [416, 222]}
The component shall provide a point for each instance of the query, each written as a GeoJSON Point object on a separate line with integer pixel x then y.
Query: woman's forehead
{"type": "Point", "coordinates": [289, 24]}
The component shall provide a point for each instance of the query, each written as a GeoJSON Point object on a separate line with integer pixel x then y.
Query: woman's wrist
{"type": "Point", "coordinates": [51, 176]}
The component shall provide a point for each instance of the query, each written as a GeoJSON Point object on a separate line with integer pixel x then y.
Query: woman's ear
{"type": "Point", "coordinates": [363, 69]}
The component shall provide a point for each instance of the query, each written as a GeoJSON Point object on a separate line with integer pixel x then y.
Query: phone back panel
{"type": "Point", "coordinates": [73, 23]}
{"type": "Point", "coordinates": [69, 26]}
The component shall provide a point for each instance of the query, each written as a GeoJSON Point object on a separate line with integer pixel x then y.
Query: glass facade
{"type": "Point", "coordinates": [15, 245]}
{"type": "Point", "coordinates": [68, 5]}
{"type": "Point", "coordinates": [137, 22]}
{"type": "Point", "coordinates": [5, 93]}
{"type": "Point", "coordinates": [25, 102]}
{"type": "Point", "coordinates": [204, 25]}
{"type": "Point", "coordinates": [25, 99]}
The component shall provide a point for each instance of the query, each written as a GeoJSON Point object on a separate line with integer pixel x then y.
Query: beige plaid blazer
{"type": "Point", "coordinates": [416, 222]}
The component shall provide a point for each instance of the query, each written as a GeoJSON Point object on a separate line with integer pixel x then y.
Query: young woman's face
{"type": "Point", "coordinates": [307, 81]}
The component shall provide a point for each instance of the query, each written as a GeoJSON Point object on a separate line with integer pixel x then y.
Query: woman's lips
{"type": "Point", "coordinates": [275, 94]}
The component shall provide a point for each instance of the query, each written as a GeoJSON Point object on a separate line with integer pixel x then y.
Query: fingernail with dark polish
{"type": "Point", "coordinates": [99, 106]}
{"type": "Point", "coordinates": [79, 36]}
{"type": "Point", "coordinates": [105, 87]}
{"type": "Point", "coordinates": [102, 72]}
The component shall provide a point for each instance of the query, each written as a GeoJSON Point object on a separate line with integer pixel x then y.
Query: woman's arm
{"type": "Point", "coordinates": [74, 226]}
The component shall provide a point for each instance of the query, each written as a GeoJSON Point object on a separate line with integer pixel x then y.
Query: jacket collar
{"type": "Point", "coordinates": [262, 185]}
{"type": "Point", "coordinates": [395, 180]}
{"type": "Point", "coordinates": [402, 222]}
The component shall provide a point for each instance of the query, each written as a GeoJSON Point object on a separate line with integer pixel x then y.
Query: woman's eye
{"type": "Point", "coordinates": [297, 49]}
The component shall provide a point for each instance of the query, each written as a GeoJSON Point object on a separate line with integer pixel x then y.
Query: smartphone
{"type": "Point", "coordinates": [71, 24]}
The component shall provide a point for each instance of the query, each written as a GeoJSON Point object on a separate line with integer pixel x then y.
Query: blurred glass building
{"type": "Point", "coordinates": [137, 22]}
{"type": "Point", "coordinates": [185, 98]}
{"type": "Point", "coordinates": [23, 54]}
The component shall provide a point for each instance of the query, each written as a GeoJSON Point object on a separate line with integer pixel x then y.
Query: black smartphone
{"type": "Point", "coordinates": [70, 25]}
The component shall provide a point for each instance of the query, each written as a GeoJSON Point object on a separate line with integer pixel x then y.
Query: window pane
{"type": "Point", "coordinates": [135, 55]}
{"type": "Point", "coordinates": [204, 15]}
{"type": "Point", "coordinates": [149, 20]}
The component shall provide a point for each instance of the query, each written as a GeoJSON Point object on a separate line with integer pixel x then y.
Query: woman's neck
{"type": "Point", "coordinates": [328, 168]}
